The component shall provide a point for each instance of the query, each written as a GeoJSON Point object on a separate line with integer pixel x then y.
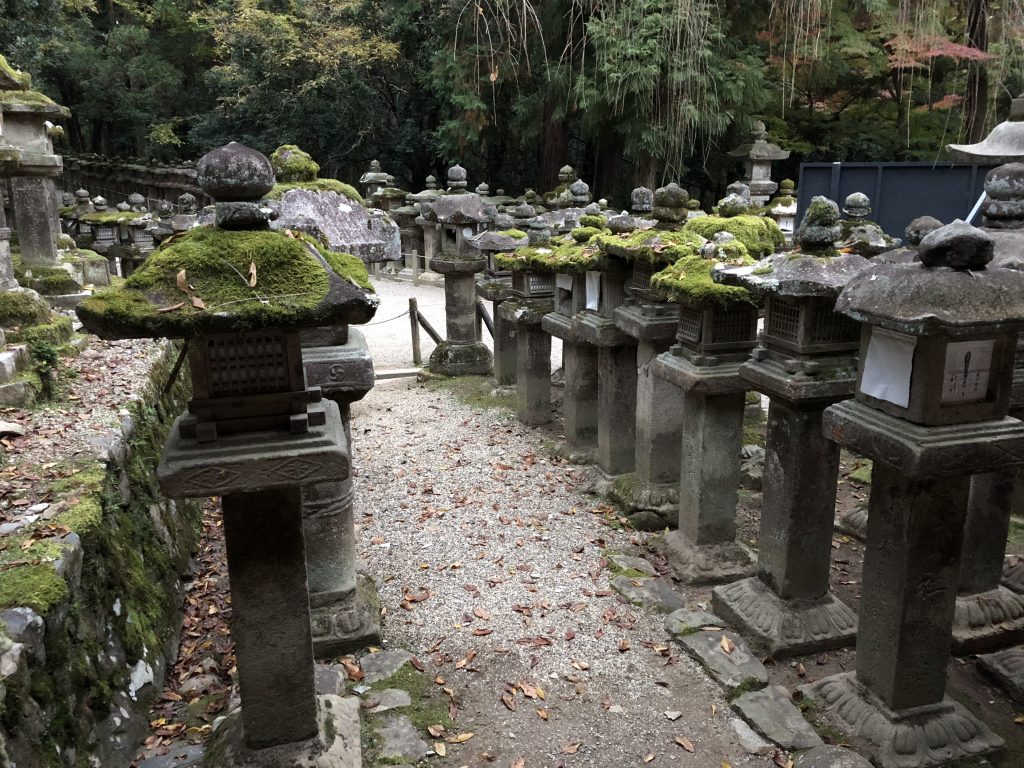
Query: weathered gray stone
{"type": "Point", "coordinates": [389, 698]}
{"type": "Point", "coordinates": [1007, 668]}
{"type": "Point", "coordinates": [25, 626]}
{"type": "Point", "coordinates": [653, 593]}
{"type": "Point", "coordinates": [234, 172]}
{"type": "Point", "coordinates": [344, 225]}
{"type": "Point", "coordinates": [737, 668]}
{"type": "Point", "coordinates": [830, 757]}
{"type": "Point", "coordinates": [772, 713]}
{"type": "Point", "coordinates": [634, 563]}
{"type": "Point", "coordinates": [749, 740]}
{"type": "Point", "coordinates": [330, 680]}
{"type": "Point", "coordinates": [35, 219]}
{"type": "Point", "coordinates": [685, 622]}
{"type": "Point", "coordinates": [382, 665]}
{"type": "Point", "coordinates": [1013, 573]}
{"type": "Point", "coordinates": [400, 740]}
{"type": "Point", "coordinates": [616, 414]}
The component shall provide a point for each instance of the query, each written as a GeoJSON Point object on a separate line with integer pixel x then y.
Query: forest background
{"type": "Point", "coordinates": [627, 91]}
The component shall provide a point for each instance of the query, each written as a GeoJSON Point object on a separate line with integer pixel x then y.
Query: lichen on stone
{"type": "Point", "coordinates": [24, 79]}
{"type": "Point", "coordinates": [688, 281]}
{"type": "Point", "coordinates": [110, 217]}
{"type": "Point", "coordinates": [316, 185]}
{"type": "Point", "coordinates": [652, 246]}
{"type": "Point", "coordinates": [759, 234]}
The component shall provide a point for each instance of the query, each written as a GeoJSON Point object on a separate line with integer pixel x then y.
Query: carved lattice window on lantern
{"type": "Point", "coordinates": [828, 327]}
{"type": "Point", "coordinates": [641, 278]}
{"type": "Point", "coordinates": [734, 325]}
{"type": "Point", "coordinates": [541, 284]}
{"type": "Point", "coordinates": [783, 319]}
{"type": "Point", "coordinates": [689, 324]}
{"type": "Point", "coordinates": [253, 365]}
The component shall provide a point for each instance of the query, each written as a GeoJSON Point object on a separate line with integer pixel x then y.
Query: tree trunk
{"type": "Point", "coordinates": [555, 142]}
{"type": "Point", "coordinates": [977, 73]}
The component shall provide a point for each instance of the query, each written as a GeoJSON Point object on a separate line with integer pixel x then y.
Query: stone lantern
{"type": "Point", "coordinates": [930, 410]}
{"type": "Point", "coordinates": [758, 156]}
{"type": "Point", "coordinates": [254, 434]}
{"type": "Point", "coordinates": [1005, 144]}
{"type": "Point", "coordinates": [460, 217]}
{"type": "Point", "coordinates": [716, 330]}
{"type": "Point", "coordinates": [374, 179]}
{"type": "Point", "coordinates": [457, 180]}
{"type": "Point", "coordinates": [782, 208]}
{"type": "Point", "coordinates": [495, 286]}
{"type": "Point", "coordinates": [25, 127]}
{"type": "Point", "coordinates": [805, 361]}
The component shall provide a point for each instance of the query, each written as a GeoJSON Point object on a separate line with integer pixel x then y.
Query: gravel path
{"type": "Point", "coordinates": [501, 563]}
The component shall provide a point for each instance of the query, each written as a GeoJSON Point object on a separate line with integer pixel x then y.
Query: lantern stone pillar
{"type": "Point", "coordinates": [343, 602]}
{"type": "Point", "coordinates": [930, 410]}
{"type": "Point", "coordinates": [255, 435]}
{"type": "Point", "coordinates": [495, 286]}
{"type": "Point", "coordinates": [804, 363]}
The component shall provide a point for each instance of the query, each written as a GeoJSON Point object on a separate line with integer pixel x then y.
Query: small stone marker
{"type": "Point", "coordinates": [382, 665]}
{"type": "Point", "coordinates": [737, 668]}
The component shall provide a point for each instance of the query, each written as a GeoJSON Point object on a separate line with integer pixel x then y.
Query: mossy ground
{"type": "Point", "coordinates": [754, 423]}
{"type": "Point", "coordinates": [759, 234]}
{"type": "Point", "coordinates": [474, 391]}
{"type": "Point", "coordinates": [18, 308]}
{"type": "Point", "coordinates": [861, 472]}
{"type": "Point", "coordinates": [689, 281]}
{"type": "Point", "coordinates": [317, 185]}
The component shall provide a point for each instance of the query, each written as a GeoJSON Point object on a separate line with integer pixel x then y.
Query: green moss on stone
{"type": "Point", "coordinates": [291, 284]}
{"type": "Point", "coordinates": [562, 255]}
{"type": "Point", "coordinates": [760, 235]}
{"type": "Point", "coordinates": [24, 79]}
{"type": "Point", "coordinates": [20, 308]}
{"type": "Point", "coordinates": [111, 217]}
{"type": "Point", "coordinates": [652, 246]}
{"type": "Point", "coordinates": [345, 265]}
{"type": "Point", "coordinates": [317, 185]}
{"type": "Point", "coordinates": [585, 234]}
{"type": "Point", "coordinates": [34, 586]}
{"type": "Point", "coordinates": [292, 164]}
{"type": "Point", "coordinates": [28, 98]}
{"type": "Point", "coordinates": [515, 234]}
{"type": "Point", "coordinates": [594, 220]}
{"type": "Point", "coordinates": [689, 281]}
{"type": "Point", "coordinates": [49, 281]}
{"type": "Point", "coordinates": [57, 332]}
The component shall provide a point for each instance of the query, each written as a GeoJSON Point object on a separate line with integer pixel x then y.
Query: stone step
{"type": "Point", "coordinates": [13, 359]}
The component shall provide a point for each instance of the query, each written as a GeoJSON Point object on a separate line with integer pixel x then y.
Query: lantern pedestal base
{"type": "Point", "coordinates": [785, 627]}
{"type": "Point", "coordinates": [696, 564]}
{"type": "Point", "coordinates": [854, 522]}
{"type": "Point", "coordinates": [336, 746]}
{"type": "Point", "coordinates": [450, 358]}
{"type": "Point", "coordinates": [987, 621]}
{"type": "Point", "coordinates": [649, 506]}
{"type": "Point", "coordinates": [919, 737]}
{"type": "Point", "coordinates": [346, 623]}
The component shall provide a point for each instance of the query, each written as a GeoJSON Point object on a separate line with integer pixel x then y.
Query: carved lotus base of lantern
{"type": "Point", "coordinates": [649, 506]}
{"type": "Point", "coordinates": [453, 359]}
{"type": "Point", "coordinates": [1013, 573]}
{"type": "Point", "coordinates": [987, 621]}
{"type": "Point", "coordinates": [1007, 668]}
{"type": "Point", "coordinates": [781, 627]}
{"type": "Point", "coordinates": [342, 624]}
{"type": "Point", "coordinates": [336, 746]}
{"type": "Point", "coordinates": [853, 522]}
{"type": "Point", "coordinates": [920, 737]}
{"type": "Point", "coordinates": [718, 563]}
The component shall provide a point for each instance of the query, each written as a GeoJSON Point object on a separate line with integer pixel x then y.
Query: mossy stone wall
{"type": "Point", "coordinates": [108, 594]}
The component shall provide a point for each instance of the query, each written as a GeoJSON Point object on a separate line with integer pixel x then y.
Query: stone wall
{"type": "Point", "coordinates": [86, 635]}
{"type": "Point", "coordinates": [115, 180]}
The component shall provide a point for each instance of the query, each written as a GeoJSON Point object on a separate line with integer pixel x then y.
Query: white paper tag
{"type": "Point", "coordinates": [966, 373]}
{"type": "Point", "coordinates": [593, 290]}
{"type": "Point", "coordinates": [888, 366]}
{"type": "Point", "coordinates": [563, 281]}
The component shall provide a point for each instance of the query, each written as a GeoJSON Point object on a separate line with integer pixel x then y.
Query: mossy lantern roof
{"type": "Point", "coordinates": [214, 279]}
{"type": "Point", "coordinates": [16, 94]}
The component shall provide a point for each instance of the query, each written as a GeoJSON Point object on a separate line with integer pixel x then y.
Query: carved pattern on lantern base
{"type": "Point", "coordinates": [914, 738]}
{"type": "Point", "coordinates": [708, 563]}
{"type": "Point", "coordinates": [649, 506]}
{"type": "Point", "coordinates": [347, 624]}
{"type": "Point", "coordinates": [785, 627]}
{"type": "Point", "coordinates": [1007, 668]}
{"type": "Point", "coordinates": [1013, 573]}
{"type": "Point", "coordinates": [988, 620]}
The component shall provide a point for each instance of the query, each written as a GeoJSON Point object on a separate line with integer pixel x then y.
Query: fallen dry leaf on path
{"type": "Point", "coordinates": [685, 743]}
{"type": "Point", "coordinates": [727, 645]}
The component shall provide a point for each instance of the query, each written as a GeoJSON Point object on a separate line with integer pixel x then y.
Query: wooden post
{"type": "Point", "coordinates": [414, 322]}
{"type": "Point", "coordinates": [483, 314]}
